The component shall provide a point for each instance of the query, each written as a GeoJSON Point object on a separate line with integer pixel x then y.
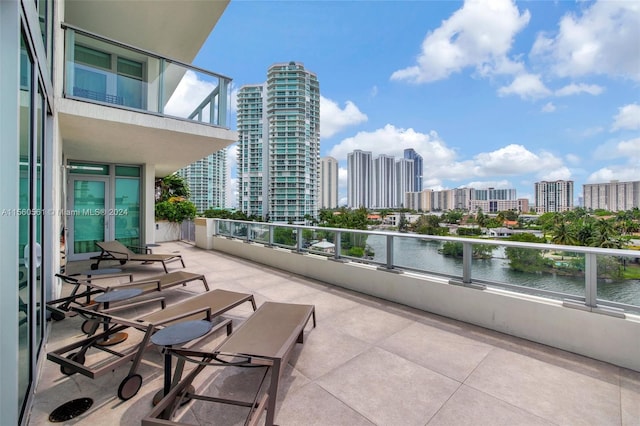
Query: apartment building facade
{"type": "Point", "coordinates": [329, 171]}
{"type": "Point", "coordinates": [279, 145]}
{"type": "Point", "coordinates": [91, 112]}
{"type": "Point", "coordinates": [553, 196]}
{"type": "Point", "coordinates": [207, 179]}
{"type": "Point", "coordinates": [359, 179]}
{"type": "Point", "coordinates": [411, 154]}
{"type": "Point", "coordinates": [384, 183]}
{"type": "Point", "coordinates": [613, 196]}
{"type": "Point", "coordinates": [405, 179]}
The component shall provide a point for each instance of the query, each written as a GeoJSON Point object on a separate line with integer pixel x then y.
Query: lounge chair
{"type": "Point", "coordinates": [59, 307]}
{"type": "Point", "coordinates": [209, 305]}
{"type": "Point", "coordinates": [115, 250]}
{"type": "Point", "coordinates": [267, 338]}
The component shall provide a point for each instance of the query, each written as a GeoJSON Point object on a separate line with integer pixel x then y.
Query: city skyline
{"type": "Point", "coordinates": [502, 94]}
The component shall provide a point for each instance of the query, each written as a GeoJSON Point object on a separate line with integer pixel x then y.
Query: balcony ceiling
{"type": "Point", "coordinates": [103, 134]}
{"type": "Point", "coordinates": [176, 29]}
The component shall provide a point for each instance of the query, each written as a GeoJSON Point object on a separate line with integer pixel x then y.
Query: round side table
{"type": "Point", "coordinates": [115, 296]}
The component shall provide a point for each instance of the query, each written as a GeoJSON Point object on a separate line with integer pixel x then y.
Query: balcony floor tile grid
{"type": "Point", "coordinates": [368, 362]}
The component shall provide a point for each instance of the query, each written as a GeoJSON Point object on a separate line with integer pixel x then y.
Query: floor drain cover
{"type": "Point", "coordinates": [71, 409]}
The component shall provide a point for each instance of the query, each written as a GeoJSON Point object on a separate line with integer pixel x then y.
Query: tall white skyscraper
{"type": "Point", "coordinates": [411, 154]}
{"type": "Point", "coordinates": [279, 145]}
{"type": "Point", "coordinates": [384, 182]}
{"type": "Point", "coordinates": [328, 183]}
{"type": "Point", "coordinates": [359, 169]}
{"type": "Point", "coordinates": [252, 151]}
{"type": "Point", "coordinates": [556, 196]}
{"type": "Point", "coordinates": [207, 180]}
{"type": "Point", "coordinates": [405, 178]}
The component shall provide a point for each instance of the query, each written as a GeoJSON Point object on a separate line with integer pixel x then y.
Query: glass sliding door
{"type": "Point", "coordinates": [104, 204]}
{"type": "Point", "coordinates": [24, 229]}
{"type": "Point", "coordinates": [88, 213]}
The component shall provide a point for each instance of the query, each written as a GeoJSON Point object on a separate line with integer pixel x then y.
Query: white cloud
{"type": "Point", "coordinates": [561, 173]}
{"type": "Point", "coordinates": [333, 119]}
{"type": "Point", "coordinates": [602, 40]}
{"type": "Point", "coordinates": [234, 99]}
{"type": "Point", "coordinates": [478, 35]}
{"type": "Point", "coordinates": [374, 91]}
{"type": "Point", "coordinates": [232, 156]}
{"type": "Point", "coordinates": [514, 160]}
{"type": "Point", "coordinates": [573, 159]}
{"type": "Point", "coordinates": [575, 89]}
{"type": "Point", "coordinates": [501, 184]}
{"type": "Point", "coordinates": [548, 107]}
{"type": "Point", "coordinates": [630, 149]}
{"type": "Point", "coordinates": [628, 118]}
{"type": "Point", "coordinates": [188, 95]}
{"type": "Point", "coordinates": [621, 173]}
{"type": "Point", "coordinates": [527, 86]}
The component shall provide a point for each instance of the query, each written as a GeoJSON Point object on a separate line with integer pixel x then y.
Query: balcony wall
{"type": "Point", "coordinates": [610, 339]}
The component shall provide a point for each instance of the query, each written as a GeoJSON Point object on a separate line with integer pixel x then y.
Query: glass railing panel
{"type": "Point", "coordinates": [284, 237]}
{"type": "Point", "coordinates": [195, 95]}
{"type": "Point", "coordinates": [224, 228]}
{"type": "Point", "coordinates": [425, 255]}
{"type": "Point", "coordinates": [259, 232]}
{"type": "Point", "coordinates": [319, 241]}
{"type": "Point", "coordinates": [619, 279]}
{"type": "Point", "coordinates": [561, 272]}
{"type": "Point", "coordinates": [239, 230]}
{"type": "Point", "coordinates": [358, 246]}
{"type": "Point", "coordinates": [107, 72]}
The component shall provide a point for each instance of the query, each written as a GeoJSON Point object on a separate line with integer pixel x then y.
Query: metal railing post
{"type": "Point", "coordinates": [590, 279]}
{"type": "Point", "coordinates": [299, 240]}
{"type": "Point", "coordinates": [467, 257]}
{"type": "Point", "coordinates": [389, 251]}
{"type": "Point", "coordinates": [338, 245]}
{"type": "Point", "coordinates": [270, 235]}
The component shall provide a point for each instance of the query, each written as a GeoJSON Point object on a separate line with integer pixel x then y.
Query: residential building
{"type": "Point", "coordinates": [614, 196]}
{"type": "Point", "coordinates": [279, 145]}
{"type": "Point", "coordinates": [383, 182]}
{"type": "Point", "coordinates": [359, 177]}
{"type": "Point", "coordinates": [207, 180]}
{"type": "Point", "coordinates": [493, 200]}
{"type": "Point", "coordinates": [253, 150]}
{"type": "Point", "coordinates": [328, 183]}
{"type": "Point", "coordinates": [555, 196]}
{"type": "Point", "coordinates": [93, 112]}
{"type": "Point", "coordinates": [523, 205]}
{"type": "Point", "coordinates": [404, 180]}
{"type": "Point", "coordinates": [411, 154]}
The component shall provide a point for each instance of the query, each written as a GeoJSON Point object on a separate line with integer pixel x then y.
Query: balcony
{"type": "Point", "coordinates": [369, 361]}
{"type": "Point", "coordinates": [128, 104]}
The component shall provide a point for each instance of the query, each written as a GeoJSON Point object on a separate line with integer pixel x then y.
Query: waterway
{"type": "Point", "coordinates": [423, 255]}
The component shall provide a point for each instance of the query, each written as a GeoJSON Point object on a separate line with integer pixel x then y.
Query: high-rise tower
{"type": "Point", "coordinates": [207, 180]}
{"type": "Point", "coordinates": [411, 154]}
{"type": "Point", "coordinates": [279, 145]}
{"type": "Point", "coordinates": [359, 174]}
{"type": "Point", "coordinates": [328, 183]}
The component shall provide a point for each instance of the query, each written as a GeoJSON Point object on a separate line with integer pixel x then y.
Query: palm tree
{"type": "Point", "coordinates": [605, 235]}
{"type": "Point", "coordinates": [563, 234]}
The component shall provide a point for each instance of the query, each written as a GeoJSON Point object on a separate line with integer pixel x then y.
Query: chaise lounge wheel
{"type": "Point", "coordinates": [122, 262]}
{"type": "Point", "coordinates": [94, 266]}
{"type": "Point", "coordinates": [57, 316]}
{"type": "Point", "coordinates": [77, 357]}
{"type": "Point", "coordinates": [89, 326]}
{"type": "Point", "coordinates": [129, 386]}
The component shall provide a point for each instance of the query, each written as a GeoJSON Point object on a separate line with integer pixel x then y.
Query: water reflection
{"type": "Point", "coordinates": [424, 255]}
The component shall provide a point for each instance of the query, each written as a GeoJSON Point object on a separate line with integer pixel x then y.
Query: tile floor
{"type": "Point", "coordinates": [368, 362]}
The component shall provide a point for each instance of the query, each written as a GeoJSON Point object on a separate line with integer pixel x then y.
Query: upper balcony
{"type": "Point", "coordinates": [130, 105]}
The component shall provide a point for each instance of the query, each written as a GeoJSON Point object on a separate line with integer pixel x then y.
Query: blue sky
{"type": "Point", "coordinates": [491, 93]}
